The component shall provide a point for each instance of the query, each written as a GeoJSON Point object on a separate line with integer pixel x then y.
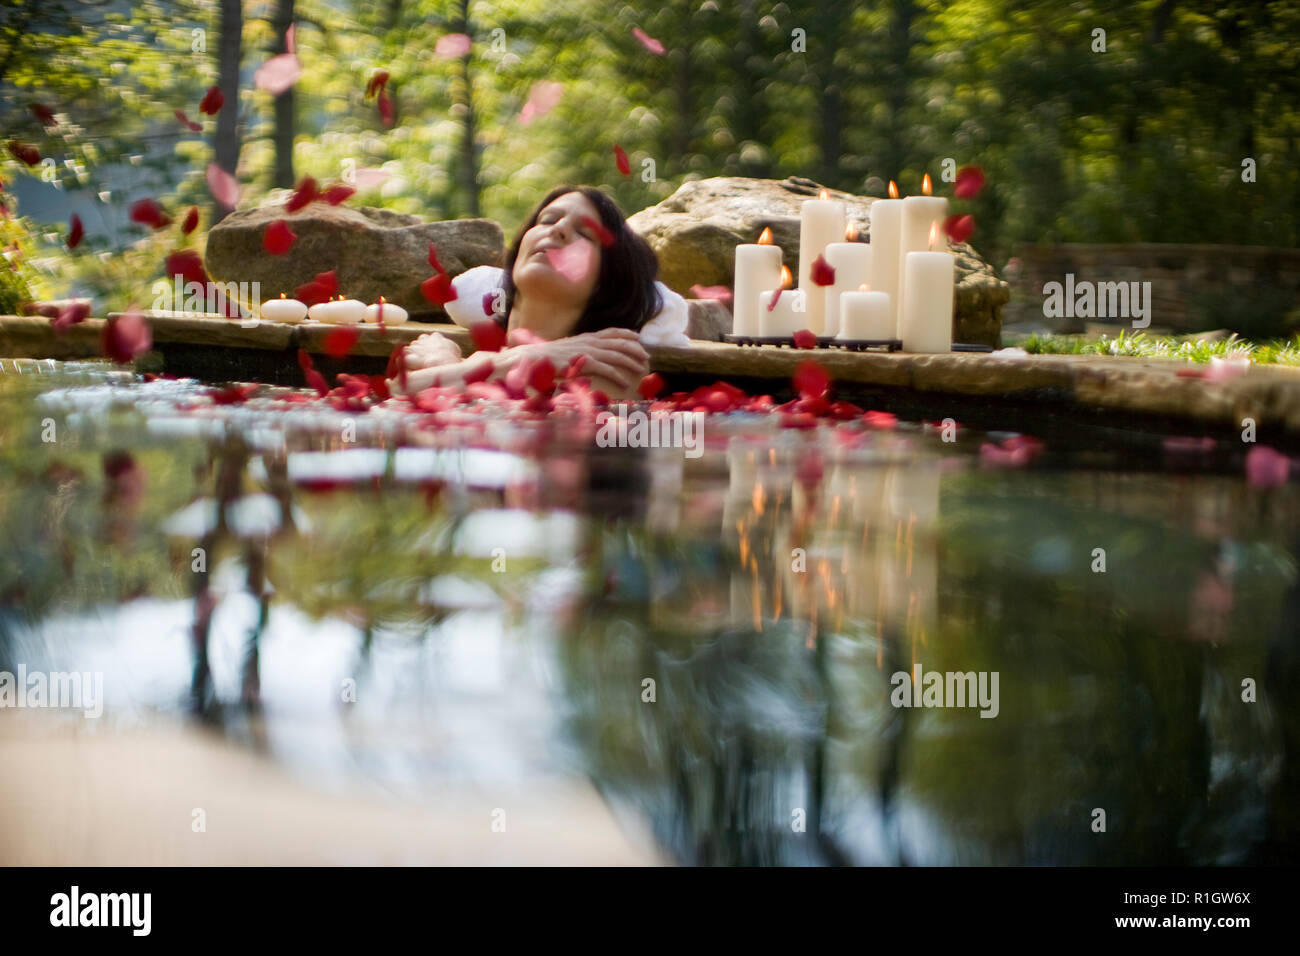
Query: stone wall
{"type": "Point", "coordinates": [1249, 289]}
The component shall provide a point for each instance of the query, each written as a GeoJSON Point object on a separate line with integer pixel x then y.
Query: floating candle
{"type": "Point", "coordinates": [284, 310]}
{"type": "Point", "coordinates": [758, 267]}
{"type": "Point", "coordinates": [886, 229]}
{"type": "Point", "coordinates": [391, 314]}
{"type": "Point", "coordinates": [926, 324]}
{"type": "Point", "coordinates": [821, 222]}
{"type": "Point", "coordinates": [340, 311]}
{"type": "Point", "coordinates": [865, 315]}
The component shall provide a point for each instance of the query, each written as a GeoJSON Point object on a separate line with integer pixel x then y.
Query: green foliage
{"type": "Point", "coordinates": [1278, 352]}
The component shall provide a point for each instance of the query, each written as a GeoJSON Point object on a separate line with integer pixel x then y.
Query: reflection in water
{"type": "Point", "coordinates": [710, 641]}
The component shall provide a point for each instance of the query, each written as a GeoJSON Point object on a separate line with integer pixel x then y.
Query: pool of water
{"type": "Point", "coordinates": [721, 645]}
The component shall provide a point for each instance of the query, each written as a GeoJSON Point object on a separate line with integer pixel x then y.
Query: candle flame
{"type": "Point", "coordinates": [865, 287]}
{"type": "Point", "coordinates": [381, 300]}
{"type": "Point", "coordinates": [851, 232]}
{"type": "Point", "coordinates": [786, 279]}
{"type": "Point", "coordinates": [824, 194]}
{"type": "Point", "coordinates": [893, 189]}
{"type": "Point", "coordinates": [765, 237]}
{"type": "Point", "coordinates": [934, 234]}
{"type": "Point", "coordinates": [282, 295]}
{"type": "Point", "coordinates": [925, 185]}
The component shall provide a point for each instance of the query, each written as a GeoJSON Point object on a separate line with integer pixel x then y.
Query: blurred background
{"type": "Point", "coordinates": [1100, 123]}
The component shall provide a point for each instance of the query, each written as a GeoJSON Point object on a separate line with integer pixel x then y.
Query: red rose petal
{"type": "Point", "coordinates": [149, 213]}
{"type": "Point", "coordinates": [187, 264]}
{"type": "Point", "coordinates": [542, 376]}
{"type": "Point", "coordinates": [278, 238]}
{"type": "Point", "coordinates": [304, 193]}
{"type": "Point", "coordinates": [75, 232]}
{"type": "Point", "coordinates": [70, 315]}
{"type": "Point", "coordinates": [377, 82]}
{"type": "Point", "coordinates": [340, 341]}
{"type": "Point", "coordinates": [804, 339]}
{"type": "Point", "coordinates": [319, 289]}
{"type": "Point", "coordinates": [337, 193]}
{"type": "Point", "coordinates": [191, 221]}
{"type": "Point", "coordinates": [433, 259]}
{"type": "Point", "coordinates": [43, 113]}
{"type": "Point", "coordinates": [193, 126]}
{"type": "Point", "coordinates": [970, 180]}
{"type": "Point", "coordinates": [650, 386]}
{"type": "Point", "coordinates": [620, 158]}
{"type": "Point", "coordinates": [487, 336]}
{"type": "Point", "coordinates": [822, 272]}
{"type": "Point", "coordinates": [385, 108]}
{"type": "Point", "coordinates": [959, 228]}
{"type": "Point", "coordinates": [212, 101]}
{"type": "Point", "coordinates": [438, 289]}
{"type": "Point", "coordinates": [24, 152]}
{"type": "Point", "coordinates": [882, 420]}
{"type": "Point", "coordinates": [776, 296]}
{"type": "Point", "coordinates": [604, 235]}
{"type": "Point", "coordinates": [811, 380]}
{"type": "Point", "coordinates": [126, 336]}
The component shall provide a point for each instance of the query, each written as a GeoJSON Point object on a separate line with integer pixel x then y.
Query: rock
{"type": "Point", "coordinates": [694, 233]}
{"type": "Point", "coordinates": [709, 320]}
{"type": "Point", "coordinates": [374, 251]}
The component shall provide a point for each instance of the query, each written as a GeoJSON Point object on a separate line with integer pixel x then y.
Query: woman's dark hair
{"type": "Point", "coordinates": [625, 296]}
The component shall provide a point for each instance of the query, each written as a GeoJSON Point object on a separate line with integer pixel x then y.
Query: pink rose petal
{"type": "Point", "coordinates": [278, 73]}
{"type": "Point", "coordinates": [647, 41]}
{"type": "Point", "coordinates": [452, 45]}
{"type": "Point", "coordinates": [1266, 468]}
{"type": "Point", "coordinates": [224, 187]}
{"type": "Point", "coordinates": [572, 261]}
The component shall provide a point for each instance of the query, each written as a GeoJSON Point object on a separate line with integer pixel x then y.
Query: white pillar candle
{"type": "Point", "coordinates": [821, 222]}
{"type": "Point", "coordinates": [788, 316]}
{"type": "Point", "coordinates": [926, 324]}
{"type": "Point", "coordinates": [886, 228]}
{"type": "Point", "coordinates": [338, 312]}
{"type": "Point", "coordinates": [758, 267]}
{"type": "Point", "coordinates": [284, 310]}
{"type": "Point", "coordinates": [865, 315]}
{"type": "Point", "coordinates": [852, 264]}
{"type": "Point", "coordinates": [920, 213]}
{"type": "Point", "coordinates": [392, 314]}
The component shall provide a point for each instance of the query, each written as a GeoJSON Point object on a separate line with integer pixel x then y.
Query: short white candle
{"type": "Point", "coordinates": [927, 302]}
{"type": "Point", "coordinates": [338, 312]}
{"type": "Point", "coordinates": [392, 314]}
{"type": "Point", "coordinates": [788, 316]}
{"type": "Point", "coordinates": [284, 310]}
{"type": "Point", "coordinates": [852, 264]}
{"type": "Point", "coordinates": [886, 228]}
{"type": "Point", "coordinates": [758, 267]}
{"type": "Point", "coordinates": [920, 214]}
{"type": "Point", "coordinates": [865, 316]}
{"type": "Point", "coordinates": [821, 222]}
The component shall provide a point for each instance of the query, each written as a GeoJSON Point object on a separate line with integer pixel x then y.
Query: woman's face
{"type": "Point", "coordinates": [559, 257]}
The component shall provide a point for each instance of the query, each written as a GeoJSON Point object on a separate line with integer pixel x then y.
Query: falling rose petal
{"type": "Point", "coordinates": [452, 45]}
{"type": "Point", "coordinates": [69, 315]}
{"type": "Point", "coordinates": [650, 386]}
{"type": "Point", "coordinates": [804, 339]}
{"type": "Point", "coordinates": [305, 193]}
{"type": "Point", "coordinates": [377, 82]}
{"type": "Point", "coordinates": [319, 289]}
{"type": "Point", "coordinates": [620, 158]}
{"type": "Point", "coordinates": [478, 371]}
{"type": "Point", "coordinates": [1266, 468]}
{"type": "Point", "coordinates": [46, 309]}
{"type": "Point", "coordinates": [647, 41]}
{"type": "Point", "coordinates": [798, 420]}
{"type": "Point", "coordinates": [75, 232]}
{"type": "Point", "coordinates": [573, 261]}
{"type": "Point", "coordinates": [543, 96]}
{"type": "Point", "coordinates": [291, 39]}
{"type": "Point", "coordinates": [397, 365]}
{"type": "Point", "coordinates": [959, 228]}
{"type": "Point", "coordinates": [193, 126]}
{"type": "Point", "coordinates": [126, 336]}
{"type": "Point", "coordinates": [433, 259]}
{"type": "Point", "coordinates": [187, 264]}
{"type": "Point", "coordinates": [278, 74]}
{"type": "Point", "coordinates": [149, 213]}
{"type": "Point", "coordinates": [24, 152]}
{"type": "Point", "coordinates": [191, 221]}
{"type": "Point", "coordinates": [970, 180]}
{"type": "Point", "coordinates": [811, 380]}
{"type": "Point", "coordinates": [223, 186]}
{"type": "Point", "coordinates": [822, 272]}
{"type": "Point", "coordinates": [438, 289]}
{"type": "Point", "coordinates": [604, 235]}
{"type": "Point", "coordinates": [542, 376]}
{"type": "Point", "coordinates": [371, 178]}
{"type": "Point", "coordinates": [1226, 369]}
{"type": "Point", "coordinates": [43, 113]}
{"type": "Point", "coordinates": [717, 293]}
{"type": "Point", "coordinates": [487, 336]}
{"type": "Point", "coordinates": [340, 341]}
{"type": "Point", "coordinates": [233, 394]}
{"type": "Point", "coordinates": [385, 108]}
{"type": "Point", "coordinates": [278, 238]}
{"type": "Point", "coordinates": [212, 101]}
{"type": "Point", "coordinates": [880, 420]}
{"type": "Point", "coordinates": [337, 193]}
{"type": "Point", "coordinates": [314, 378]}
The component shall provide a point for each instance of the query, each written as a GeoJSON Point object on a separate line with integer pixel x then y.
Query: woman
{"type": "Point", "coordinates": [562, 284]}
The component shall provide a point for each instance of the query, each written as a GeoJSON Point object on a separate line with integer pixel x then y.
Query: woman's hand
{"type": "Point", "coordinates": [430, 349]}
{"type": "Point", "coordinates": [613, 356]}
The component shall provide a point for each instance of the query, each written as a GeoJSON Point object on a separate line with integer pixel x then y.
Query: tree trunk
{"type": "Point", "coordinates": [284, 105]}
{"type": "Point", "coordinates": [226, 146]}
{"type": "Point", "coordinates": [748, 122]}
{"type": "Point", "coordinates": [896, 150]}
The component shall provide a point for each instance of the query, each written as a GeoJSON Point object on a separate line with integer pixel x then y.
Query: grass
{"type": "Point", "coordinates": [1275, 352]}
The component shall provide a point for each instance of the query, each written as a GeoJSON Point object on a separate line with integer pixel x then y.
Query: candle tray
{"type": "Point", "coordinates": [965, 347]}
{"type": "Point", "coordinates": [823, 342]}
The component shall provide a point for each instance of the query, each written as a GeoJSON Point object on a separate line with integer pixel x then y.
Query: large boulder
{"type": "Point", "coordinates": [695, 231]}
{"type": "Point", "coordinates": [374, 251]}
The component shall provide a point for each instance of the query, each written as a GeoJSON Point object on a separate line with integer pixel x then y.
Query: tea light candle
{"type": "Point", "coordinates": [852, 264]}
{"type": "Point", "coordinates": [886, 233]}
{"type": "Point", "coordinates": [918, 215]}
{"type": "Point", "coordinates": [338, 312]}
{"type": "Point", "coordinates": [788, 316]}
{"type": "Point", "coordinates": [392, 314]}
{"type": "Point", "coordinates": [865, 315]}
{"type": "Point", "coordinates": [758, 267]}
{"type": "Point", "coordinates": [926, 324]}
{"type": "Point", "coordinates": [284, 310]}
{"type": "Point", "coordinates": [821, 222]}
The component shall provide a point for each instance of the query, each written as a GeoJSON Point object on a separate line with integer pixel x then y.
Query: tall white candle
{"type": "Point", "coordinates": [758, 267]}
{"type": "Point", "coordinates": [787, 317]}
{"type": "Point", "coordinates": [865, 316]}
{"type": "Point", "coordinates": [927, 302]}
{"type": "Point", "coordinates": [886, 232]}
{"type": "Point", "coordinates": [821, 222]}
{"type": "Point", "coordinates": [920, 213]}
{"type": "Point", "coordinates": [852, 264]}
